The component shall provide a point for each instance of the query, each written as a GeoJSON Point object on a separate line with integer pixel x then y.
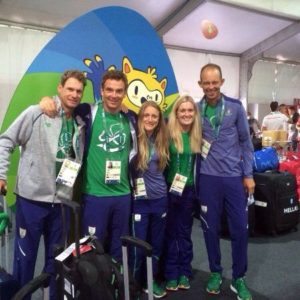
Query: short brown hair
{"type": "Point", "coordinates": [116, 75]}
{"type": "Point", "coordinates": [73, 74]}
{"type": "Point", "coordinates": [211, 66]}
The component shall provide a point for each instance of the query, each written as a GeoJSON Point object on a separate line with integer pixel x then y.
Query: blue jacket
{"type": "Point", "coordinates": [231, 151]}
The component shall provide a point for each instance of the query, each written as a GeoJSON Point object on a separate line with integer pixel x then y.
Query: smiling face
{"type": "Point", "coordinates": [211, 82]}
{"type": "Point", "coordinates": [113, 92]}
{"type": "Point", "coordinates": [138, 93]}
{"type": "Point", "coordinates": [70, 94]}
{"type": "Point", "coordinates": [150, 119]}
{"type": "Point", "coordinates": [186, 115]}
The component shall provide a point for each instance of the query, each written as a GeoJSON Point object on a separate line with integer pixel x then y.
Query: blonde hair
{"type": "Point", "coordinates": [175, 129]}
{"type": "Point", "coordinates": [161, 139]}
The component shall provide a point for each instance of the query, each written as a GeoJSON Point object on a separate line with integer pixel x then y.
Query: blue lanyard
{"type": "Point", "coordinates": [220, 111]}
{"type": "Point", "coordinates": [151, 149]}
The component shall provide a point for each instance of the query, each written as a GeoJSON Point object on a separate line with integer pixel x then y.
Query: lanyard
{"type": "Point", "coordinates": [220, 111]}
{"type": "Point", "coordinates": [107, 138]}
{"type": "Point", "coordinates": [68, 127]}
{"type": "Point", "coordinates": [151, 148]}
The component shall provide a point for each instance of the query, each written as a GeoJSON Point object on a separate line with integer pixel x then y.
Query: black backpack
{"type": "Point", "coordinates": [101, 277]}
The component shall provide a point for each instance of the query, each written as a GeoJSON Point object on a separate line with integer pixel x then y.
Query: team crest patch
{"type": "Point", "coordinates": [204, 208]}
{"type": "Point", "coordinates": [114, 139]}
{"type": "Point", "coordinates": [92, 230]}
{"type": "Point", "coordinates": [22, 232]}
{"type": "Point", "coordinates": [228, 112]}
{"type": "Point", "coordinates": [137, 217]}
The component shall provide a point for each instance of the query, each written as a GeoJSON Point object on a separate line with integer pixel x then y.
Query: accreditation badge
{"type": "Point", "coordinates": [140, 189]}
{"type": "Point", "coordinates": [178, 184]}
{"type": "Point", "coordinates": [68, 172]}
{"type": "Point", "coordinates": [112, 172]}
{"type": "Point", "coordinates": [205, 148]}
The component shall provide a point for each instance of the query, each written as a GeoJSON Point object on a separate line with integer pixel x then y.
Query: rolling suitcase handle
{"type": "Point", "coordinates": [61, 252]}
{"type": "Point", "coordinates": [129, 240]}
{"type": "Point", "coordinates": [76, 212]}
{"type": "Point", "coordinates": [33, 285]}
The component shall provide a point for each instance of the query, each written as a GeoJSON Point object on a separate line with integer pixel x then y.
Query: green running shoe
{"type": "Point", "coordinates": [239, 287]}
{"type": "Point", "coordinates": [214, 283]}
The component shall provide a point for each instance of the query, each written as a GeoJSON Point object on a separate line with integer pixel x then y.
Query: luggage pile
{"type": "Point", "coordinates": [277, 190]}
{"type": "Point", "coordinates": [85, 271]}
{"type": "Point", "coordinates": [291, 164]}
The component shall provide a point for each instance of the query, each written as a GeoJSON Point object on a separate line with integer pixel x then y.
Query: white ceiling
{"type": "Point", "coordinates": [252, 31]}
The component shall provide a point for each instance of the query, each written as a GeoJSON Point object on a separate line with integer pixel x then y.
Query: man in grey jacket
{"type": "Point", "coordinates": [48, 147]}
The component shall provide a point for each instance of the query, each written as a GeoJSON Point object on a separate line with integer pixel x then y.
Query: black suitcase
{"type": "Point", "coordinates": [85, 271]}
{"type": "Point", "coordinates": [78, 269]}
{"type": "Point", "coordinates": [276, 204]}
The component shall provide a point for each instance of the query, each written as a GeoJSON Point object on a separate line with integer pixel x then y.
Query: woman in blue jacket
{"type": "Point", "coordinates": [185, 137]}
{"type": "Point", "coordinates": [150, 189]}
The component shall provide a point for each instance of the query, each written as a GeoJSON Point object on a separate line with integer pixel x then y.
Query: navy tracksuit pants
{"type": "Point", "coordinates": [148, 224]}
{"type": "Point", "coordinates": [215, 194]}
{"type": "Point", "coordinates": [34, 219]}
{"type": "Point", "coordinates": [179, 245]}
{"type": "Point", "coordinates": [108, 219]}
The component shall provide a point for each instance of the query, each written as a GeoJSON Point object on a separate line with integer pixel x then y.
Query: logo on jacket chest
{"type": "Point", "coordinates": [228, 112]}
{"type": "Point", "coordinates": [113, 140]}
{"type": "Point", "coordinates": [65, 143]}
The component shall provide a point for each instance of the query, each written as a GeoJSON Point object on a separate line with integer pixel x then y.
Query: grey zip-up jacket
{"type": "Point", "coordinates": [37, 135]}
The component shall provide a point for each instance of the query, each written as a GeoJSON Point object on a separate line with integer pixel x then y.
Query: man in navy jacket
{"type": "Point", "coordinates": [225, 178]}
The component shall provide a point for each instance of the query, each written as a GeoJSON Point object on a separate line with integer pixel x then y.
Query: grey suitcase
{"type": "Point", "coordinates": [132, 241]}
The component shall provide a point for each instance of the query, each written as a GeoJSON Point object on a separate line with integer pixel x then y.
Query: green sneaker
{"type": "Point", "coordinates": [214, 283]}
{"type": "Point", "coordinates": [239, 287]}
{"type": "Point", "coordinates": [158, 291]}
{"type": "Point", "coordinates": [172, 285]}
{"type": "Point", "coordinates": [184, 282]}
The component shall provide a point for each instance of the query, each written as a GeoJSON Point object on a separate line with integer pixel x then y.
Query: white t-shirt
{"type": "Point", "coordinates": [275, 121]}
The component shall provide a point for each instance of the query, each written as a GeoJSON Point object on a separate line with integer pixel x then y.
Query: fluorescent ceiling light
{"type": "Point", "coordinates": [288, 8]}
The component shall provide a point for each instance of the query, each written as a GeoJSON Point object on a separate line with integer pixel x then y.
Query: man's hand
{"type": "Point", "coordinates": [249, 185]}
{"type": "Point", "coordinates": [3, 187]}
{"type": "Point", "coordinates": [48, 107]}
